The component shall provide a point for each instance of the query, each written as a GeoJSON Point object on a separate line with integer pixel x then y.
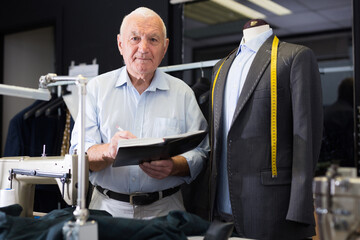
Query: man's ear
{"type": "Point", "coordinates": [166, 45]}
{"type": "Point", "coordinates": [119, 43]}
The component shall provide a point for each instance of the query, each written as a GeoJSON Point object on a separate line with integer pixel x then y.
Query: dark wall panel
{"type": "Point", "coordinates": [84, 29]}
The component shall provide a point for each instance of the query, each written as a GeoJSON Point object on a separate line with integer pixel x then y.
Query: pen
{"type": "Point", "coordinates": [119, 128]}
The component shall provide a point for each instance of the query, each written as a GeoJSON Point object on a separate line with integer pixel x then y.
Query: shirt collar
{"type": "Point", "coordinates": [123, 78]}
{"type": "Point", "coordinates": [255, 43]}
{"type": "Point", "coordinates": [158, 81]}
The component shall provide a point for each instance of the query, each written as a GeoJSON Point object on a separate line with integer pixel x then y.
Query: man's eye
{"type": "Point", "coordinates": [135, 39]}
{"type": "Point", "coordinates": [154, 41]}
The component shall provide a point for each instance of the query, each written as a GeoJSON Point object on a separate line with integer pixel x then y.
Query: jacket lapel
{"type": "Point", "coordinates": [256, 71]}
{"type": "Point", "coordinates": [219, 92]}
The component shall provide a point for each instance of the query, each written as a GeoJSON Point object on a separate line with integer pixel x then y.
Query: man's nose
{"type": "Point", "coordinates": [143, 46]}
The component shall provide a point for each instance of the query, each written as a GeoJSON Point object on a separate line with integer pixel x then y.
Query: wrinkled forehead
{"type": "Point", "coordinates": [140, 24]}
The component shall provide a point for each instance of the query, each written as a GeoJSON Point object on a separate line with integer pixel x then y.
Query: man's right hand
{"type": "Point", "coordinates": [120, 135]}
{"type": "Point", "coordinates": [102, 155]}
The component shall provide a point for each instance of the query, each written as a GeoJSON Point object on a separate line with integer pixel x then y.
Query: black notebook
{"type": "Point", "coordinates": [138, 150]}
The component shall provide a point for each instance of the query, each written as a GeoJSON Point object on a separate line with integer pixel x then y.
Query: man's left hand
{"type": "Point", "coordinates": [160, 169]}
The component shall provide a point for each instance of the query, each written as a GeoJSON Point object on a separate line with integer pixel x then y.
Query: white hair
{"type": "Point", "coordinates": [146, 13]}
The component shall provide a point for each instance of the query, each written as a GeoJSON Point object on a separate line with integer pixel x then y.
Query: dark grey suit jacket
{"type": "Point", "coordinates": [264, 207]}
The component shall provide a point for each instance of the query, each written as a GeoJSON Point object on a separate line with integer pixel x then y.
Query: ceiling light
{"type": "Point", "coordinates": [209, 12]}
{"type": "Point", "coordinates": [271, 7]}
{"type": "Point", "coordinates": [180, 1]}
{"type": "Point", "coordinates": [240, 8]}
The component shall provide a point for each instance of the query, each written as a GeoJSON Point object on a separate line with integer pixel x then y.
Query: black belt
{"type": "Point", "coordinates": [138, 198]}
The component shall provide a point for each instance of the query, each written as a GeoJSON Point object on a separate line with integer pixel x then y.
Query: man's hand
{"type": "Point", "coordinates": [160, 169]}
{"type": "Point", "coordinates": [114, 142]}
{"type": "Point", "coordinates": [102, 155]}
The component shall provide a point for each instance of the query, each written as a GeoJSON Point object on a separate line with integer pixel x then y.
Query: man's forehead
{"type": "Point", "coordinates": [140, 25]}
{"type": "Point", "coordinates": [145, 19]}
{"type": "Point", "coordinates": [141, 33]}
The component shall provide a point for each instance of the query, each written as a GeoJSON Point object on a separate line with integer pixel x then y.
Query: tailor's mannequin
{"type": "Point", "coordinates": [253, 28]}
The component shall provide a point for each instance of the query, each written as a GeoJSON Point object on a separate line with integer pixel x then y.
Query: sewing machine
{"type": "Point", "coordinates": [23, 173]}
{"type": "Point", "coordinates": [337, 204]}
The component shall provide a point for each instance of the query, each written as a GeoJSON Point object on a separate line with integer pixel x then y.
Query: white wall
{"type": "Point", "coordinates": [27, 56]}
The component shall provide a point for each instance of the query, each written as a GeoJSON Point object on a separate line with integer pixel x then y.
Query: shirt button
{"type": "Point", "coordinates": [133, 179]}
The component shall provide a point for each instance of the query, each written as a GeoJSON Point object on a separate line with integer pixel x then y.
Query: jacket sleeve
{"type": "Point", "coordinates": [307, 108]}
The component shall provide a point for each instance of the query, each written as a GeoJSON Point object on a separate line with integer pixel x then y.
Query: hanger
{"type": "Point", "coordinates": [54, 107]}
{"type": "Point", "coordinates": [202, 71]}
{"type": "Point", "coordinates": [32, 111]}
{"type": "Point", "coordinates": [54, 103]}
{"type": "Point", "coordinates": [49, 104]}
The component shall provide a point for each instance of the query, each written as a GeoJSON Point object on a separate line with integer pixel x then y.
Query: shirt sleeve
{"type": "Point", "coordinates": [195, 121]}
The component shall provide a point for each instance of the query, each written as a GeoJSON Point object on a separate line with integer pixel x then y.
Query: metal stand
{"type": "Point", "coordinates": [80, 229]}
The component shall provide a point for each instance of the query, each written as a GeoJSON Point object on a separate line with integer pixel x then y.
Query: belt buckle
{"type": "Point", "coordinates": [136, 194]}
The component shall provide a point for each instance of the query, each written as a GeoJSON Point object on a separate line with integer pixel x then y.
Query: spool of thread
{"type": "Point", "coordinates": [7, 197]}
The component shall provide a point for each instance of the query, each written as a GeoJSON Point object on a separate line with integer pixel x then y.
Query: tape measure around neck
{"type": "Point", "coordinates": [273, 79]}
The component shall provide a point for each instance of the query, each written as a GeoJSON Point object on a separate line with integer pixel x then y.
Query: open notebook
{"type": "Point", "coordinates": [138, 150]}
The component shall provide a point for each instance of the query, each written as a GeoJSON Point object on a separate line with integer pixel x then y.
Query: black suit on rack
{"type": "Point", "coordinates": [27, 137]}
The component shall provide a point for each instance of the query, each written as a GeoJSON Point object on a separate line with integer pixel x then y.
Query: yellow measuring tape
{"type": "Point", "coordinates": [273, 81]}
{"type": "Point", "coordinates": [273, 105]}
{"type": "Point", "coordinates": [213, 89]}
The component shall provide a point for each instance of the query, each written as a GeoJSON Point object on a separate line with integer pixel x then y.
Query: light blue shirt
{"type": "Point", "coordinates": [234, 83]}
{"type": "Point", "coordinates": [167, 107]}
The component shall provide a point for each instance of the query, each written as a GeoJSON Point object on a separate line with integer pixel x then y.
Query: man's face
{"type": "Point", "coordinates": [142, 45]}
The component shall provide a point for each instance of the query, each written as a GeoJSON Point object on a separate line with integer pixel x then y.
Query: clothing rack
{"type": "Point", "coordinates": [336, 69]}
{"type": "Point", "coordinates": [189, 66]}
{"type": "Point", "coordinates": [44, 94]}
{"type": "Point", "coordinates": [211, 63]}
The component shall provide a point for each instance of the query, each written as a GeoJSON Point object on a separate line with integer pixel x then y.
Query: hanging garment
{"type": "Point", "coordinates": [26, 137]}
{"type": "Point", "coordinates": [42, 123]}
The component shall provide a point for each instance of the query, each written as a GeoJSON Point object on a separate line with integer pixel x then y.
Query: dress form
{"type": "Point", "coordinates": [253, 28]}
{"type": "Point", "coordinates": [251, 33]}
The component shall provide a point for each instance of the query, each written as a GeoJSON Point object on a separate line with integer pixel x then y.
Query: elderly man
{"type": "Point", "coordinates": [141, 101]}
